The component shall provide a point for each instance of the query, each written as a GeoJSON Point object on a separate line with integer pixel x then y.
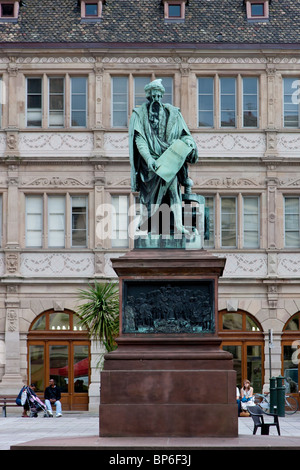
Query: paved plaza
{"type": "Point", "coordinates": [80, 430]}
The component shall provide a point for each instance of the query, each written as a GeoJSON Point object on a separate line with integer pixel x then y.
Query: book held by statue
{"type": "Point", "coordinates": [170, 162]}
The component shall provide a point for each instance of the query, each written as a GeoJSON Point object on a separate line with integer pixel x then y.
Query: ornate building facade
{"type": "Point", "coordinates": [70, 77]}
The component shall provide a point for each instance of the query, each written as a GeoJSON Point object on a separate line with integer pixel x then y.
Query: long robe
{"type": "Point", "coordinates": [146, 142]}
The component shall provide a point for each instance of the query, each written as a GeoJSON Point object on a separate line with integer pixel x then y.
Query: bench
{"type": "Point", "coordinates": [6, 400]}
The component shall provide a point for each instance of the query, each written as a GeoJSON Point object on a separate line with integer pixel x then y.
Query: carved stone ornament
{"type": "Point", "coordinates": [12, 318]}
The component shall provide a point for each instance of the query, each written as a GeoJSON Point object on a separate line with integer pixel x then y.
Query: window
{"type": "Point", "coordinates": [119, 101]}
{"type": "Point", "coordinates": [91, 10]}
{"type": "Point", "coordinates": [251, 222]}
{"type": "Point", "coordinates": [78, 102]}
{"type": "Point", "coordinates": [168, 86]}
{"type": "Point", "coordinates": [56, 102]}
{"type": "Point", "coordinates": [34, 102]}
{"type": "Point", "coordinates": [290, 105]}
{"type": "Point", "coordinates": [139, 92]}
{"type": "Point", "coordinates": [239, 222]}
{"type": "Point", "coordinates": [228, 102]}
{"type": "Point", "coordinates": [205, 102]}
{"type": "Point", "coordinates": [120, 221]}
{"type": "Point", "coordinates": [174, 9]}
{"type": "Point", "coordinates": [124, 97]}
{"type": "Point", "coordinates": [228, 222]}
{"type": "Point", "coordinates": [56, 221]}
{"type": "Point", "coordinates": [34, 221]}
{"type": "Point", "coordinates": [79, 221]}
{"type": "Point", "coordinates": [250, 102]}
{"type": "Point", "coordinates": [257, 9]}
{"type": "Point", "coordinates": [55, 115]}
{"type": "Point", "coordinates": [53, 223]}
{"type": "Point", "coordinates": [291, 222]}
{"type": "Point", "coordinates": [9, 10]}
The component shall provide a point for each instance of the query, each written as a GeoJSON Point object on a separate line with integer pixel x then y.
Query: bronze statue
{"type": "Point", "coordinates": [161, 146]}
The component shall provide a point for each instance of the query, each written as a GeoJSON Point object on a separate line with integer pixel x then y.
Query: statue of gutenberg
{"type": "Point", "coordinates": [155, 128]}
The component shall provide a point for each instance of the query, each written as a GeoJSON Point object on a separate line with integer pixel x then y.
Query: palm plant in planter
{"type": "Point", "coordinates": [100, 312]}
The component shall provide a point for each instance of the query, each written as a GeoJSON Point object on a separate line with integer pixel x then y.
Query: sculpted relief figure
{"type": "Point", "coordinates": [161, 147]}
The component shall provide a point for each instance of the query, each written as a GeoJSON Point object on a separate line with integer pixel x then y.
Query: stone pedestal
{"type": "Point", "coordinates": [177, 382]}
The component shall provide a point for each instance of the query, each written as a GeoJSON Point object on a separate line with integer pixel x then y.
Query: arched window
{"type": "Point", "coordinates": [58, 347]}
{"type": "Point", "coordinates": [290, 353]}
{"type": "Point", "coordinates": [242, 336]}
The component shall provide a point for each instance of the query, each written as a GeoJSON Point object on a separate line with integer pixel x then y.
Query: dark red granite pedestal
{"type": "Point", "coordinates": [168, 385]}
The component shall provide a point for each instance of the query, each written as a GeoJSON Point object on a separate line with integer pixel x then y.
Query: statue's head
{"type": "Point", "coordinates": [155, 90]}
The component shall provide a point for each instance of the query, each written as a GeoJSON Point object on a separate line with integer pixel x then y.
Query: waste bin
{"type": "Point", "coordinates": [280, 388]}
{"type": "Point", "coordinates": [273, 395]}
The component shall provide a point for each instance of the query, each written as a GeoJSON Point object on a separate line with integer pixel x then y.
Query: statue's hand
{"type": "Point", "coordinates": [151, 164]}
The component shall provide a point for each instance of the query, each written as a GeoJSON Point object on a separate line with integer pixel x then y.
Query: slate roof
{"type": "Point", "coordinates": [142, 21]}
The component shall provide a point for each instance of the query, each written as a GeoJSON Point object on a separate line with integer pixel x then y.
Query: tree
{"type": "Point", "coordinates": [100, 312]}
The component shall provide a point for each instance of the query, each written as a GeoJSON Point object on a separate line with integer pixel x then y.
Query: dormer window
{"type": "Point", "coordinates": [91, 10]}
{"type": "Point", "coordinates": [9, 10]}
{"type": "Point", "coordinates": [257, 9]}
{"type": "Point", "coordinates": [174, 10]}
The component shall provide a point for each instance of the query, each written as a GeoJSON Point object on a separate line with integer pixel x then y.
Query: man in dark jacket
{"type": "Point", "coordinates": [52, 397]}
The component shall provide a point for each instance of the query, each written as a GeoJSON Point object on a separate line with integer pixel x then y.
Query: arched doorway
{"type": "Point", "coordinates": [290, 354]}
{"type": "Point", "coordinates": [59, 348]}
{"type": "Point", "coordinates": [242, 336]}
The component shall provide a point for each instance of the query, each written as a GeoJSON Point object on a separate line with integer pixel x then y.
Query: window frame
{"type": "Point", "coordinates": [115, 219]}
{"type": "Point", "coordinates": [250, 16]}
{"type": "Point", "coordinates": [285, 126]}
{"type": "Point", "coordinates": [72, 196]}
{"type": "Point", "coordinates": [168, 3]}
{"type": "Point", "coordinates": [63, 94]}
{"type": "Point", "coordinates": [27, 230]}
{"type": "Point", "coordinates": [84, 16]}
{"type": "Point", "coordinates": [131, 94]}
{"type": "Point", "coordinates": [258, 221]}
{"type": "Point", "coordinates": [290, 196]}
{"type": "Point", "coordinates": [257, 102]}
{"type": "Point", "coordinates": [15, 15]}
{"type": "Point", "coordinates": [236, 223]}
{"type": "Point", "coordinates": [26, 104]}
{"type": "Point", "coordinates": [79, 94]}
{"type": "Point", "coordinates": [235, 78]}
{"type": "Point", "coordinates": [206, 94]}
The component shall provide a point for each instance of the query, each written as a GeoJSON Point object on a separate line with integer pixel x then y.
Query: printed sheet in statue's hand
{"type": "Point", "coordinates": [170, 162]}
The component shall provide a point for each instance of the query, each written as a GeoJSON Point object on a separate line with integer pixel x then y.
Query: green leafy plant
{"type": "Point", "coordinates": [100, 312]}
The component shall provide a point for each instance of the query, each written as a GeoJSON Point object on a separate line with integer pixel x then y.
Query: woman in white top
{"type": "Point", "coordinates": [247, 395]}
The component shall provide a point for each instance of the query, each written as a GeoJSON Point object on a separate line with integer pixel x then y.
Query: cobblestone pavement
{"type": "Point", "coordinates": [16, 430]}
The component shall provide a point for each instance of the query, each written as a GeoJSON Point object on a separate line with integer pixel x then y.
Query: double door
{"type": "Point", "coordinates": [67, 362]}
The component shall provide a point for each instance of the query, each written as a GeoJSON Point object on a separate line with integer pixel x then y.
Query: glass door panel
{"type": "Point", "coordinates": [236, 351]}
{"type": "Point", "coordinates": [59, 365]}
{"type": "Point", "coordinates": [254, 367]}
{"type": "Point", "coordinates": [36, 366]}
{"type": "Point", "coordinates": [81, 368]}
{"type": "Point", "coordinates": [290, 369]}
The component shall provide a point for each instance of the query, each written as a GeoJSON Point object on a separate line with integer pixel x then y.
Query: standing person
{"type": "Point", "coordinates": [52, 397]}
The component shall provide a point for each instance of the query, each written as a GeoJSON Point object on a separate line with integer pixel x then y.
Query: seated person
{"type": "Point", "coordinates": [52, 397]}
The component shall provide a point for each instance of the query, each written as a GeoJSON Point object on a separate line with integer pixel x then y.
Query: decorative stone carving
{"type": "Point", "coordinates": [12, 319]}
{"type": "Point", "coordinates": [57, 264]}
{"type": "Point", "coordinates": [12, 262]}
{"type": "Point", "coordinates": [245, 265]}
{"type": "Point", "coordinates": [58, 144]}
